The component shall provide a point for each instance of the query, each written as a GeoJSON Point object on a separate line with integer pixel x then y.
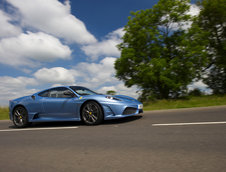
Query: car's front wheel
{"type": "Point", "coordinates": [92, 113]}
{"type": "Point", "coordinates": [20, 117]}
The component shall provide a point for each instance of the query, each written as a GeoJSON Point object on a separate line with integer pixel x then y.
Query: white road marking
{"type": "Point", "coordinates": [32, 129]}
{"type": "Point", "coordinates": [191, 123]}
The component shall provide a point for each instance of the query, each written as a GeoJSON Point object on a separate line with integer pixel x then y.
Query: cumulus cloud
{"type": "Point", "coordinates": [201, 86]}
{"type": "Point", "coordinates": [7, 29]}
{"type": "Point", "coordinates": [28, 48]}
{"type": "Point", "coordinates": [120, 89]}
{"type": "Point", "coordinates": [95, 74]}
{"type": "Point", "coordinates": [106, 47]}
{"type": "Point", "coordinates": [53, 17]}
{"type": "Point", "coordinates": [101, 77]}
{"type": "Point", "coordinates": [56, 75]}
{"type": "Point", "coordinates": [12, 88]}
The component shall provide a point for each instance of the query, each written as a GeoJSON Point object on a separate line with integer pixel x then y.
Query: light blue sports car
{"type": "Point", "coordinates": [71, 103]}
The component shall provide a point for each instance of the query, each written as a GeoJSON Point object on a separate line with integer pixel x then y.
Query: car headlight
{"type": "Point", "coordinates": [140, 106]}
{"type": "Point", "coordinates": [112, 98]}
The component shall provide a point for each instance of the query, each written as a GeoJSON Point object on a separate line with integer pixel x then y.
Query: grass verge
{"type": "Point", "coordinates": [4, 113]}
{"type": "Point", "coordinates": [202, 101]}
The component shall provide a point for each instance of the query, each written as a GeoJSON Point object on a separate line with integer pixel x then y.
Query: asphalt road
{"type": "Point", "coordinates": [131, 144]}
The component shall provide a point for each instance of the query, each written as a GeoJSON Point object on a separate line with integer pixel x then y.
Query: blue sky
{"type": "Point", "coordinates": [46, 43]}
{"type": "Point", "coordinates": [102, 17]}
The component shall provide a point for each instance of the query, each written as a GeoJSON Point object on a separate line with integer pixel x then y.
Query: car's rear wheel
{"type": "Point", "coordinates": [20, 117]}
{"type": "Point", "coordinates": [92, 113]}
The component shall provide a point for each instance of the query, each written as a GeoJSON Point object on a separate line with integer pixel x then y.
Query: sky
{"type": "Point", "coordinates": [46, 43]}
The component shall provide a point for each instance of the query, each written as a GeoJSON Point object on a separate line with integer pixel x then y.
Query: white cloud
{"type": "Point", "coordinates": [56, 75]}
{"type": "Point", "coordinates": [92, 75]}
{"type": "Point", "coordinates": [101, 77]}
{"type": "Point", "coordinates": [201, 86]}
{"type": "Point", "coordinates": [106, 47]}
{"type": "Point", "coordinates": [106, 88]}
{"type": "Point", "coordinates": [12, 88]}
{"type": "Point", "coordinates": [53, 17]}
{"type": "Point", "coordinates": [194, 10]}
{"type": "Point", "coordinates": [7, 29]}
{"type": "Point", "coordinates": [28, 48]}
{"type": "Point", "coordinates": [96, 74]}
{"type": "Point", "coordinates": [18, 81]}
{"type": "Point", "coordinates": [120, 89]}
{"type": "Point", "coordinates": [198, 84]}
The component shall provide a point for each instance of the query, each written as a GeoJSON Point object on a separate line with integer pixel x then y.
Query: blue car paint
{"type": "Point", "coordinates": [43, 109]}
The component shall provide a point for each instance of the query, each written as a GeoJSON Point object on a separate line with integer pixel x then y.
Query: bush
{"type": "Point", "coordinates": [195, 92]}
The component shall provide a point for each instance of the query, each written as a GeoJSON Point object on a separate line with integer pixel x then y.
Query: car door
{"type": "Point", "coordinates": [59, 105]}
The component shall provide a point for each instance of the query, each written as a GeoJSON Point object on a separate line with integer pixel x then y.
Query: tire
{"type": "Point", "coordinates": [20, 117]}
{"type": "Point", "coordinates": [92, 113]}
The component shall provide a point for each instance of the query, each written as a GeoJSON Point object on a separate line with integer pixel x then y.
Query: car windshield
{"type": "Point", "coordinates": [82, 90]}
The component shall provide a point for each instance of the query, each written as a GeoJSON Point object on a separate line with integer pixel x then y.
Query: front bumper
{"type": "Point", "coordinates": [114, 111]}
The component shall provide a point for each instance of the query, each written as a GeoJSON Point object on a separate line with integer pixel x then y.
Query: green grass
{"type": "Point", "coordinates": [201, 101]}
{"type": "Point", "coordinates": [4, 113]}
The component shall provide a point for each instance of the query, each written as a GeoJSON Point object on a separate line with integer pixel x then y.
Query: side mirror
{"type": "Point", "coordinates": [33, 97]}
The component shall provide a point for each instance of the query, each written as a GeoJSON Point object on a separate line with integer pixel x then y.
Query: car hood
{"type": "Point", "coordinates": [21, 98]}
{"type": "Point", "coordinates": [120, 97]}
{"type": "Point", "coordinates": [126, 98]}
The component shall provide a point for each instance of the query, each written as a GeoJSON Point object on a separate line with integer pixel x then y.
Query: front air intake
{"type": "Point", "coordinates": [129, 110]}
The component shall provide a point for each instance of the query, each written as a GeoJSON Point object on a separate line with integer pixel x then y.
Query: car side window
{"type": "Point", "coordinates": [44, 93]}
{"type": "Point", "coordinates": [61, 92]}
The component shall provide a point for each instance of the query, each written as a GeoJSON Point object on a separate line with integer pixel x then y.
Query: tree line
{"type": "Point", "coordinates": [165, 48]}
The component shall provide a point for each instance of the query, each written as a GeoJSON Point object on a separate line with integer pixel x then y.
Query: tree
{"type": "Point", "coordinates": [159, 53]}
{"type": "Point", "coordinates": [212, 19]}
{"type": "Point", "coordinates": [195, 92]}
{"type": "Point", "coordinates": [111, 92]}
{"type": "Point", "coordinates": [216, 79]}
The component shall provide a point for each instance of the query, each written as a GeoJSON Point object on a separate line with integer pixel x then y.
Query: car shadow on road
{"type": "Point", "coordinates": [122, 120]}
{"type": "Point", "coordinates": [52, 124]}
{"type": "Point", "coordinates": [80, 123]}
